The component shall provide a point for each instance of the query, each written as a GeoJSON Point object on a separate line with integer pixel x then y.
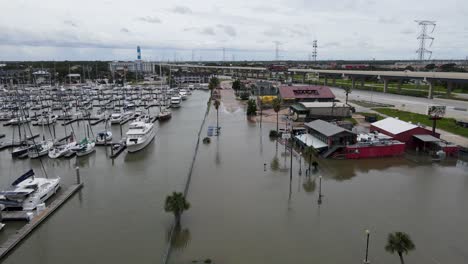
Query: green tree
{"type": "Point", "coordinates": [176, 204]}
{"type": "Point", "coordinates": [310, 151]}
{"type": "Point", "coordinates": [251, 107]}
{"type": "Point", "coordinates": [400, 243]}
{"type": "Point", "coordinates": [213, 84]}
{"type": "Point", "coordinates": [236, 86]}
{"type": "Point", "coordinates": [216, 105]}
{"type": "Point", "coordinates": [276, 107]}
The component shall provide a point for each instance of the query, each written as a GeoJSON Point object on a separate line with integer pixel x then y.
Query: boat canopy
{"type": "Point", "coordinates": [23, 177]}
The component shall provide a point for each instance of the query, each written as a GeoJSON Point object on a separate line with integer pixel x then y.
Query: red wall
{"type": "Point", "coordinates": [407, 136]}
{"type": "Point", "coordinates": [375, 151]}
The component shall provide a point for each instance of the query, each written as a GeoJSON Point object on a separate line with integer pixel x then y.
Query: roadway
{"type": "Point", "coordinates": [406, 103]}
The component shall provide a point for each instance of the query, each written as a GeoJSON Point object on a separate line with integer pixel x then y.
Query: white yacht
{"type": "Point", "coordinates": [116, 118]}
{"type": "Point", "coordinates": [28, 191]}
{"type": "Point", "coordinates": [40, 149]}
{"type": "Point", "coordinates": [139, 135]}
{"type": "Point", "coordinates": [183, 94]}
{"type": "Point", "coordinates": [175, 101]}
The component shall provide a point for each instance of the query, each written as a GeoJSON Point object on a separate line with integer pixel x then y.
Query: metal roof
{"type": "Point", "coordinates": [427, 138]}
{"type": "Point", "coordinates": [322, 104]}
{"type": "Point", "coordinates": [306, 92]}
{"type": "Point", "coordinates": [393, 125]}
{"type": "Point", "coordinates": [310, 140]}
{"type": "Point", "coordinates": [326, 128]}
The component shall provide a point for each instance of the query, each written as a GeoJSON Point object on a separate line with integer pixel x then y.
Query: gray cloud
{"type": "Point", "coordinates": [150, 19]}
{"type": "Point", "coordinates": [391, 20]}
{"type": "Point", "coordinates": [407, 31]}
{"type": "Point", "coordinates": [208, 31]}
{"type": "Point", "coordinates": [70, 23]}
{"type": "Point", "coordinates": [182, 10]}
{"type": "Point", "coordinates": [331, 45]}
{"type": "Point", "coordinates": [228, 30]}
{"type": "Point", "coordinates": [124, 30]}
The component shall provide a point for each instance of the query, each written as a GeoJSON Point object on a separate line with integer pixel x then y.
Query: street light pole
{"type": "Point", "coordinates": [320, 190]}
{"type": "Point", "coordinates": [366, 260]}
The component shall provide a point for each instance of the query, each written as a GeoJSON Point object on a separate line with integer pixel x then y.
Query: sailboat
{"type": "Point", "coordinates": [85, 147]}
{"type": "Point", "coordinates": [164, 113]}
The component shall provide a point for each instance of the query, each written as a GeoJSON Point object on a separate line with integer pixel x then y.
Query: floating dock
{"type": "Point", "coordinates": [35, 220]}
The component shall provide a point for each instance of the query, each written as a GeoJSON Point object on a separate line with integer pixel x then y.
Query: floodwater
{"type": "Point", "coordinates": [241, 211]}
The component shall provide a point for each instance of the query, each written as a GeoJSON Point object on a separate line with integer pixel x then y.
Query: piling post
{"type": "Point", "coordinates": [78, 177]}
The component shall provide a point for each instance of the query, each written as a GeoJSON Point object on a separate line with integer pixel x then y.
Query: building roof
{"type": "Point", "coordinates": [393, 125]}
{"type": "Point", "coordinates": [303, 92]}
{"type": "Point", "coordinates": [326, 128]}
{"type": "Point", "coordinates": [310, 140]}
{"type": "Point", "coordinates": [322, 104]}
{"type": "Point", "coordinates": [427, 138]}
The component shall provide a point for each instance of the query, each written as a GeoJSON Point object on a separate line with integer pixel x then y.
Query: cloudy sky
{"type": "Point", "coordinates": [246, 29]}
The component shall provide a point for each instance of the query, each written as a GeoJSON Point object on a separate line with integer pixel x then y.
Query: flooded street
{"type": "Point", "coordinates": [240, 212]}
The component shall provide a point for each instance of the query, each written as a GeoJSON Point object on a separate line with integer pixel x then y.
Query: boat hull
{"type": "Point", "coordinates": [132, 148]}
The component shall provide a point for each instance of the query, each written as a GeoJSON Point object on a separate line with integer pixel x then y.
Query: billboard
{"type": "Point", "coordinates": [436, 110]}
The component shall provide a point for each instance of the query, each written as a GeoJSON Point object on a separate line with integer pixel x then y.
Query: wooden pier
{"type": "Point", "coordinates": [36, 220]}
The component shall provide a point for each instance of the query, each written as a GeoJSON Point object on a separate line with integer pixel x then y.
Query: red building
{"type": "Point", "coordinates": [374, 145]}
{"type": "Point", "coordinates": [310, 93]}
{"type": "Point", "coordinates": [400, 130]}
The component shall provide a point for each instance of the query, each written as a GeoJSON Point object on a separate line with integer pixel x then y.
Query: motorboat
{"type": "Point", "coordinates": [39, 150]}
{"type": "Point", "coordinates": [46, 120]}
{"type": "Point", "coordinates": [139, 135]}
{"type": "Point", "coordinates": [19, 151]}
{"type": "Point", "coordinates": [85, 147]}
{"type": "Point", "coordinates": [175, 101]}
{"type": "Point", "coordinates": [164, 114]}
{"type": "Point", "coordinates": [61, 150]}
{"type": "Point", "coordinates": [104, 136]}
{"type": "Point", "coordinates": [183, 94]}
{"type": "Point", "coordinates": [27, 192]}
{"type": "Point", "coordinates": [18, 120]}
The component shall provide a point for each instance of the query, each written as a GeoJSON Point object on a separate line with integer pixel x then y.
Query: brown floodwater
{"type": "Point", "coordinates": [242, 213]}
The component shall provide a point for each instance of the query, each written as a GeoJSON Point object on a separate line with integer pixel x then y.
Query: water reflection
{"type": "Point", "coordinates": [309, 184]}
{"type": "Point", "coordinates": [180, 238]}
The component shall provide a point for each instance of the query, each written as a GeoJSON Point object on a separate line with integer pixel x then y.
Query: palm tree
{"type": "Point", "coordinates": [214, 83]}
{"type": "Point", "coordinates": [276, 107]}
{"type": "Point", "coordinates": [399, 242]}
{"type": "Point", "coordinates": [176, 204]}
{"type": "Point", "coordinates": [216, 105]}
{"type": "Point", "coordinates": [347, 91]}
{"type": "Point", "coordinates": [310, 151]}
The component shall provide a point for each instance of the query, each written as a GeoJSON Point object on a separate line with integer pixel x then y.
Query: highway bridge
{"type": "Point", "coordinates": [450, 78]}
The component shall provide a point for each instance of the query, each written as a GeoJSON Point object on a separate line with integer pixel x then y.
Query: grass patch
{"type": "Point", "coordinates": [369, 104]}
{"type": "Point", "coordinates": [350, 119]}
{"type": "Point", "coordinates": [365, 114]}
{"type": "Point", "coordinates": [447, 124]}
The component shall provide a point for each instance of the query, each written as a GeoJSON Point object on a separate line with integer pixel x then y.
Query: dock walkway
{"type": "Point", "coordinates": [36, 220]}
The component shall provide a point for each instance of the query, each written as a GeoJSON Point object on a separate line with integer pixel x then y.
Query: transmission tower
{"type": "Point", "coordinates": [314, 51]}
{"type": "Point", "coordinates": [424, 37]}
{"type": "Point", "coordinates": [277, 50]}
{"type": "Point", "coordinates": [193, 55]}
{"type": "Point", "coordinates": [224, 54]}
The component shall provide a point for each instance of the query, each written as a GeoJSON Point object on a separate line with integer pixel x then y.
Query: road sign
{"type": "Point", "coordinates": [436, 110]}
{"type": "Point", "coordinates": [286, 136]}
